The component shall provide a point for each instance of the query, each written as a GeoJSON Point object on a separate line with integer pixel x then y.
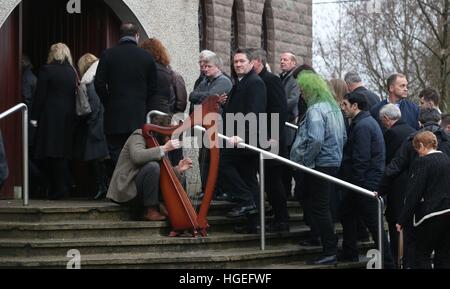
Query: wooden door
{"type": "Point", "coordinates": [10, 78]}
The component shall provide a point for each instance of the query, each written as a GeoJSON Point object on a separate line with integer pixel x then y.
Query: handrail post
{"type": "Point", "coordinates": [380, 230]}
{"type": "Point", "coordinates": [25, 156]}
{"type": "Point", "coordinates": [261, 201]}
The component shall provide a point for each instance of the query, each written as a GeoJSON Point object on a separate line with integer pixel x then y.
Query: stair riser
{"type": "Point", "coordinates": [113, 215]}
{"type": "Point", "coordinates": [8, 252]}
{"type": "Point", "coordinates": [184, 263]}
{"type": "Point", "coordinates": [58, 217]}
{"type": "Point", "coordinates": [29, 233]}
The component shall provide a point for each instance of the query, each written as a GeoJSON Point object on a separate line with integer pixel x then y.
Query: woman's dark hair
{"type": "Point", "coordinates": [301, 68]}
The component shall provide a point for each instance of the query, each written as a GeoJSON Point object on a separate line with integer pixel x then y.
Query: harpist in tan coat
{"type": "Point", "coordinates": [137, 173]}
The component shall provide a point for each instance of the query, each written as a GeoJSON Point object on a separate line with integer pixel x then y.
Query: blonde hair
{"type": "Point", "coordinates": [427, 139]}
{"type": "Point", "coordinates": [59, 52]}
{"type": "Point", "coordinates": [85, 62]}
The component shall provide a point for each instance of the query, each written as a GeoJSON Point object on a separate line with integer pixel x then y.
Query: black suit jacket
{"type": "Point", "coordinates": [276, 104]}
{"type": "Point", "coordinates": [247, 96]}
{"type": "Point", "coordinates": [395, 136]}
{"type": "Point", "coordinates": [372, 98]}
{"type": "Point", "coordinates": [126, 83]}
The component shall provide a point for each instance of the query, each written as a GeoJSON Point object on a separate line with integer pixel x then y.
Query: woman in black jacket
{"type": "Point", "coordinates": [91, 141]}
{"type": "Point", "coordinates": [427, 203]}
{"type": "Point", "coordinates": [53, 114]}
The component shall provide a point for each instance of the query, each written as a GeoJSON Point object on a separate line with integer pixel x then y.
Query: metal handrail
{"type": "Point", "coordinates": [268, 155]}
{"type": "Point", "coordinates": [22, 107]}
{"type": "Point", "coordinates": [380, 212]}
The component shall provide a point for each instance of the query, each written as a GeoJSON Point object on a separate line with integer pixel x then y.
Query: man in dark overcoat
{"type": "Point", "coordinates": [126, 80]}
{"type": "Point", "coordinates": [238, 166]}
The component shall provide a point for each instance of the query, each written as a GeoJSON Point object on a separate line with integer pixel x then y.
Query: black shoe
{"type": "Point", "coordinates": [342, 257]}
{"type": "Point", "coordinates": [312, 242]}
{"type": "Point", "coordinates": [242, 211]}
{"type": "Point", "coordinates": [101, 194]}
{"type": "Point", "coordinates": [221, 197]}
{"type": "Point", "coordinates": [278, 227]}
{"type": "Point", "coordinates": [328, 260]}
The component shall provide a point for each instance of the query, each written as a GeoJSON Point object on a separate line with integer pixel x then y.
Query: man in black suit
{"type": "Point", "coordinates": [397, 132]}
{"type": "Point", "coordinates": [125, 82]}
{"type": "Point", "coordinates": [355, 83]}
{"type": "Point", "coordinates": [277, 108]}
{"type": "Point", "coordinates": [239, 167]}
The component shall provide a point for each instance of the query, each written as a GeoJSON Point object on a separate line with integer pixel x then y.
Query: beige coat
{"type": "Point", "coordinates": [133, 156]}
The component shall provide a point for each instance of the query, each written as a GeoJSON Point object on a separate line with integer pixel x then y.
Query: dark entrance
{"type": "Point", "coordinates": [31, 29]}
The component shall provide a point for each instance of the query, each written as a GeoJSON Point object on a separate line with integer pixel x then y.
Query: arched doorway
{"type": "Point", "coordinates": [31, 28]}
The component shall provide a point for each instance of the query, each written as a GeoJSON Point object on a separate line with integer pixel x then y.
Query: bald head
{"type": "Point", "coordinates": [128, 29]}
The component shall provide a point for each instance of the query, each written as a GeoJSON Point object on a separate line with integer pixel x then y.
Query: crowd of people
{"type": "Point", "coordinates": [391, 146]}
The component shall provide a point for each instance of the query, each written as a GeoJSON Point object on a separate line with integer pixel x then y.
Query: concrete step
{"type": "Point", "coordinates": [206, 259]}
{"type": "Point", "coordinates": [53, 211]}
{"type": "Point", "coordinates": [107, 245]}
{"type": "Point", "coordinates": [99, 228]}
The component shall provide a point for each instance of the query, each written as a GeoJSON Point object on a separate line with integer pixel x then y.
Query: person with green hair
{"type": "Point", "coordinates": [319, 145]}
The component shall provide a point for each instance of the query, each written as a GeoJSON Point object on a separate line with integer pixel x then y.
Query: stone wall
{"type": "Point", "coordinates": [289, 27]}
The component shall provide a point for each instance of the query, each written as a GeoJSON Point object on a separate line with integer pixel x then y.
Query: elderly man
{"type": "Point", "coordinates": [397, 132]}
{"type": "Point", "coordinates": [213, 83]}
{"type": "Point", "coordinates": [204, 54]}
{"type": "Point", "coordinates": [288, 63]}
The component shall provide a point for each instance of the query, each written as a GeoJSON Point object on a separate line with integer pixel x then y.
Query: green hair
{"type": "Point", "coordinates": [315, 89]}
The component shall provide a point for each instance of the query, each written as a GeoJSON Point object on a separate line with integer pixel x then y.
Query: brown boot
{"type": "Point", "coordinates": [152, 214]}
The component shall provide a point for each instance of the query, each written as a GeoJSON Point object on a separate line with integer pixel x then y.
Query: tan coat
{"type": "Point", "coordinates": [133, 157]}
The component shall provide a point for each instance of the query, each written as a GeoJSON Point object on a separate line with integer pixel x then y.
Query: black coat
{"type": "Point", "coordinates": [372, 98]}
{"type": "Point", "coordinates": [247, 96]}
{"type": "Point", "coordinates": [54, 109]}
{"type": "Point", "coordinates": [90, 138]}
{"type": "Point", "coordinates": [428, 191]}
{"type": "Point", "coordinates": [364, 153]}
{"type": "Point", "coordinates": [126, 84]}
{"type": "Point", "coordinates": [276, 104]}
{"type": "Point", "coordinates": [394, 137]}
{"type": "Point", "coordinates": [406, 155]}
{"type": "Point", "coordinates": [162, 98]}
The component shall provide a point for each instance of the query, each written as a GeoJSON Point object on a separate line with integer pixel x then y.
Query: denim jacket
{"type": "Point", "coordinates": [320, 138]}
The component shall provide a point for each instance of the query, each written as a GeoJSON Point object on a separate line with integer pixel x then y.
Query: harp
{"type": "Point", "coordinates": [181, 212]}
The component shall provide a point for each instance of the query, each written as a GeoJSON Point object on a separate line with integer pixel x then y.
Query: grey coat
{"type": "Point", "coordinates": [133, 157]}
{"type": "Point", "coordinates": [292, 95]}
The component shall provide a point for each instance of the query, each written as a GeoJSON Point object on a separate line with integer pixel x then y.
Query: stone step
{"type": "Point", "coordinates": [206, 259]}
{"type": "Point", "coordinates": [53, 211]}
{"type": "Point", "coordinates": [113, 229]}
{"type": "Point", "coordinates": [108, 245]}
